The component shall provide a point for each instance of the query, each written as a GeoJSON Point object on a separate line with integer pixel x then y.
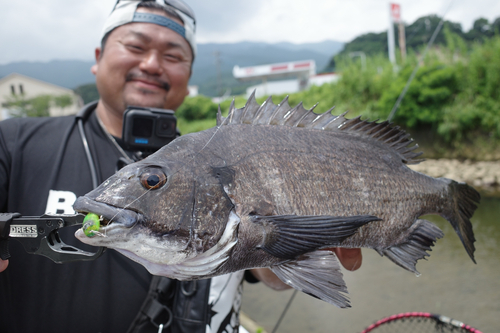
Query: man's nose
{"type": "Point", "coordinates": [151, 63]}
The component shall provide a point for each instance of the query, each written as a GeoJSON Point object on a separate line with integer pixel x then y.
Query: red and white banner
{"type": "Point", "coordinates": [293, 68]}
{"type": "Point", "coordinates": [395, 12]}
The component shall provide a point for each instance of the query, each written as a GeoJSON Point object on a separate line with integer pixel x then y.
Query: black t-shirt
{"type": "Point", "coordinates": [43, 166]}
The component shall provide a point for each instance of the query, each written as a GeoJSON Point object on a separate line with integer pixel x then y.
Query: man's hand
{"type": "Point", "coordinates": [3, 264]}
{"type": "Point", "coordinates": [349, 258]}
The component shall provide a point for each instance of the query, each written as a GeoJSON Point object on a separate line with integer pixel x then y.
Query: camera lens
{"type": "Point", "coordinates": [166, 128]}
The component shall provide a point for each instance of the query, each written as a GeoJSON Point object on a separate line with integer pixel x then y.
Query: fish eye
{"type": "Point", "coordinates": [153, 178]}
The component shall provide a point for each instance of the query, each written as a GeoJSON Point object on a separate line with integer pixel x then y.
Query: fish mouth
{"type": "Point", "coordinates": [108, 215]}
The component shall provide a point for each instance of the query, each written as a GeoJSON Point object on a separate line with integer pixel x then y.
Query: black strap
{"type": "Point", "coordinates": [177, 306]}
{"type": "Point", "coordinates": [153, 312]}
{"type": "Point", "coordinates": [191, 308]}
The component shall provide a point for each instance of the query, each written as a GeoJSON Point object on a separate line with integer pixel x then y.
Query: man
{"type": "Point", "coordinates": [145, 59]}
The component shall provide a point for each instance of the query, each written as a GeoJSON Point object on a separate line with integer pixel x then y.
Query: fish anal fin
{"type": "Point", "coordinates": [421, 236]}
{"type": "Point", "coordinates": [289, 236]}
{"type": "Point", "coordinates": [317, 274]}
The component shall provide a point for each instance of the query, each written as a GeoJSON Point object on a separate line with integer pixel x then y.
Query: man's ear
{"type": "Point", "coordinates": [95, 66]}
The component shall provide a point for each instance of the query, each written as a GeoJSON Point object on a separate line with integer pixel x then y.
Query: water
{"type": "Point", "coordinates": [450, 284]}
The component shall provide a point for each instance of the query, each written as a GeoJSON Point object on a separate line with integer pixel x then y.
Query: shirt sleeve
{"type": "Point", "coordinates": [5, 163]}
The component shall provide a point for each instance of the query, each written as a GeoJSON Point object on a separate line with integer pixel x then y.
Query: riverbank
{"type": "Point", "coordinates": [484, 175]}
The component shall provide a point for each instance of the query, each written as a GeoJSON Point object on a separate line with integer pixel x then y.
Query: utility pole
{"type": "Point", "coordinates": [217, 66]}
{"type": "Point", "coordinates": [395, 17]}
{"type": "Point", "coordinates": [402, 40]}
{"type": "Point", "coordinates": [393, 12]}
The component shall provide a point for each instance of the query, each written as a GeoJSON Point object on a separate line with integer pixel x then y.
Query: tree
{"type": "Point", "coordinates": [38, 106]}
{"type": "Point", "coordinates": [88, 92]}
{"type": "Point", "coordinates": [481, 30]}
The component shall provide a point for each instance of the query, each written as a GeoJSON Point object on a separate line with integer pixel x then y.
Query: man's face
{"type": "Point", "coordinates": [143, 64]}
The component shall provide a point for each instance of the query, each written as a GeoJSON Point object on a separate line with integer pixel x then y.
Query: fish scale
{"type": "Point", "coordinates": [275, 186]}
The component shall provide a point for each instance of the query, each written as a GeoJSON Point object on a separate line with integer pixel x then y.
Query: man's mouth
{"type": "Point", "coordinates": [148, 82]}
{"type": "Point", "coordinates": [148, 85]}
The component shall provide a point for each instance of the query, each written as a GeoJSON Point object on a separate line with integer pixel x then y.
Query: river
{"type": "Point", "coordinates": [450, 284]}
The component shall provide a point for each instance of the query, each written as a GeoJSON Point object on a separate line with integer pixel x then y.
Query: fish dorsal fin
{"type": "Point", "coordinates": [284, 115]}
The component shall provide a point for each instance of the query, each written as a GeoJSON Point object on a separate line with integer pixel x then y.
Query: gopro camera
{"type": "Point", "coordinates": [148, 129]}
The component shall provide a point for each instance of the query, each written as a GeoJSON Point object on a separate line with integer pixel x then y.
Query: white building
{"type": "Point", "coordinates": [15, 84]}
{"type": "Point", "coordinates": [193, 91]}
{"type": "Point", "coordinates": [303, 74]}
{"type": "Point", "coordinates": [290, 86]}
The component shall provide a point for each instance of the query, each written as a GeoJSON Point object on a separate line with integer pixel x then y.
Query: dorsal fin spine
{"type": "Point", "coordinates": [259, 112]}
{"type": "Point", "coordinates": [333, 120]}
{"type": "Point", "coordinates": [378, 128]}
{"type": "Point", "coordinates": [231, 112]}
{"type": "Point", "coordinates": [276, 111]}
{"type": "Point", "coordinates": [311, 110]}
{"type": "Point", "coordinates": [283, 115]}
{"type": "Point", "coordinates": [321, 115]}
{"type": "Point", "coordinates": [319, 119]}
{"type": "Point", "coordinates": [294, 110]}
{"type": "Point", "coordinates": [350, 123]}
{"type": "Point", "coordinates": [251, 103]}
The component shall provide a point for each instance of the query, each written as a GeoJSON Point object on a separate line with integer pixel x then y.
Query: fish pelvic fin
{"type": "Point", "coordinates": [317, 274]}
{"type": "Point", "coordinates": [283, 114]}
{"type": "Point", "coordinates": [289, 236]}
{"type": "Point", "coordinates": [464, 202]}
{"type": "Point", "coordinates": [422, 235]}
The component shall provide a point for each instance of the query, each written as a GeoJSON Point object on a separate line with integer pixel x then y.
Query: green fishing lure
{"type": "Point", "coordinates": [91, 224]}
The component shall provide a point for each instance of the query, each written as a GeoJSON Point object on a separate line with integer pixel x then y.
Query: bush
{"type": "Point", "coordinates": [431, 90]}
{"type": "Point", "coordinates": [197, 108]}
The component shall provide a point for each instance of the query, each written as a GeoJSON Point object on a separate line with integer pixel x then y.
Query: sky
{"type": "Point", "coordinates": [44, 30]}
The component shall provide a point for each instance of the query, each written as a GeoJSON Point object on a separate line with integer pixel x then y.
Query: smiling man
{"type": "Point", "coordinates": [142, 64]}
{"type": "Point", "coordinates": [145, 59]}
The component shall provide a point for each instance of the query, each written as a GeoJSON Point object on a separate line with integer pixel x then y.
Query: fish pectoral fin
{"type": "Point", "coordinates": [289, 236]}
{"type": "Point", "coordinates": [419, 240]}
{"type": "Point", "coordinates": [317, 274]}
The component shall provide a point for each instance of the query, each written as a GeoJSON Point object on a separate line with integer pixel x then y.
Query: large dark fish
{"type": "Point", "coordinates": [271, 186]}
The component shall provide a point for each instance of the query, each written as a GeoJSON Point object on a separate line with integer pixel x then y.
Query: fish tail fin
{"type": "Point", "coordinates": [464, 202]}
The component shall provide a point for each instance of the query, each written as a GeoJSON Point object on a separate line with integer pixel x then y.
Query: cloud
{"type": "Point", "coordinates": [51, 29]}
{"type": "Point", "coordinates": [42, 30]}
{"type": "Point", "coordinates": [340, 20]}
{"type": "Point", "coordinates": [221, 16]}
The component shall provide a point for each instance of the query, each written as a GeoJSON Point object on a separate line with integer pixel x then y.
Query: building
{"type": "Point", "coordinates": [193, 91]}
{"type": "Point", "coordinates": [300, 75]}
{"type": "Point", "coordinates": [17, 85]}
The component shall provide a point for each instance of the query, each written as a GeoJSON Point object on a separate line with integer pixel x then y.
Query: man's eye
{"type": "Point", "coordinates": [134, 47]}
{"type": "Point", "coordinates": [172, 57]}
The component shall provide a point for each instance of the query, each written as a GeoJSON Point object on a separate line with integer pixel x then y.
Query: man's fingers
{"type": "Point", "coordinates": [3, 264]}
{"type": "Point", "coordinates": [349, 258]}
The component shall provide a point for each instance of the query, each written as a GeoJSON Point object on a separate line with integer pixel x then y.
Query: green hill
{"type": "Point", "coordinates": [417, 36]}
